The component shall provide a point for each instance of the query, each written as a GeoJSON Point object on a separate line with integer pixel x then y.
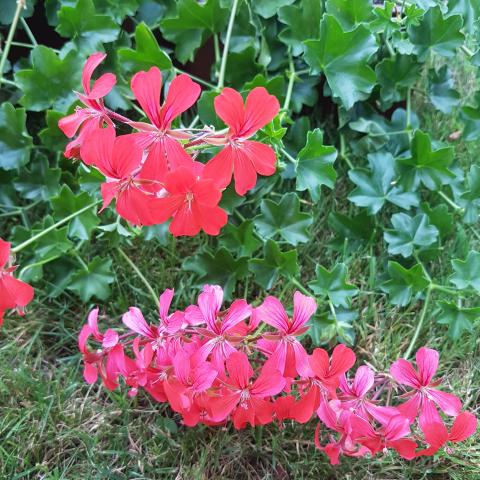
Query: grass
{"type": "Point", "coordinates": [54, 426]}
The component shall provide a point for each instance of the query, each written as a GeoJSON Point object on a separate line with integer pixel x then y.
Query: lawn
{"type": "Point", "coordinates": [53, 425]}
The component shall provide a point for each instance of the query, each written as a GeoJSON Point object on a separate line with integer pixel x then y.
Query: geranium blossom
{"type": "Point", "coordinates": [14, 294]}
{"type": "Point", "coordinates": [240, 156]}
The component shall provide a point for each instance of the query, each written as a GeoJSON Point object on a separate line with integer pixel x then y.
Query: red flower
{"type": "Point", "coordinates": [13, 293]}
{"type": "Point", "coordinates": [242, 157]}
{"type": "Point", "coordinates": [165, 152]}
{"type": "Point", "coordinates": [92, 117]}
{"type": "Point", "coordinates": [119, 159]}
{"type": "Point", "coordinates": [192, 201]}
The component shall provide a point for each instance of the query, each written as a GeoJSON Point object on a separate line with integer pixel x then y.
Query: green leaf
{"type": "Point", "coordinates": [343, 58]}
{"type": "Point", "coordinates": [51, 136]}
{"type": "Point", "coordinates": [15, 142]}
{"type": "Point", "coordinates": [314, 166]}
{"type": "Point", "coordinates": [193, 24]}
{"type": "Point", "coordinates": [219, 268]}
{"type": "Point", "coordinates": [283, 219]}
{"type": "Point", "coordinates": [440, 90]}
{"type": "Point", "coordinates": [241, 67]}
{"type": "Point", "coordinates": [358, 227]}
{"type": "Point", "coordinates": [51, 80]}
{"type": "Point", "coordinates": [147, 52]}
{"type": "Point", "coordinates": [40, 182]}
{"type": "Point", "coordinates": [470, 199]}
{"type": "Point", "coordinates": [471, 119]}
{"type": "Point", "coordinates": [409, 232]}
{"type": "Point", "coordinates": [440, 217]}
{"type": "Point", "coordinates": [240, 239]}
{"type": "Point", "coordinates": [437, 34]}
{"type": "Point", "coordinates": [426, 166]}
{"type": "Point", "coordinates": [268, 8]}
{"type": "Point", "coordinates": [274, 264]}
{"type": "Point", "coordinates": [350, 12]}
{"type": "Point", "coordinates": [93, 281]}
{"type": "Point", "coordinates": [332, 283]}
{"type": "Point", "coordinates": [67, 203]}
{"type": "Point", "coordinates": [404, 283]}
{"type": "Point", "coordinates": [8, 8]}
{"type": "Point", "coordinates": [396, 75]}
{"type": "Point", "coordinates": [467, 272]}
{"type": "Point", "coordinates": [376, 186]}
{"type": "Point", "coordinates": [326, 326]}
{"type": "Point", "coordinates": [469, 10]}
{"type": "Point", "coordinates": [303, 23]}
{"type": "Point", "coordinates": [86, 29]}
{"type": "Point", "coordinates": [457, 318]}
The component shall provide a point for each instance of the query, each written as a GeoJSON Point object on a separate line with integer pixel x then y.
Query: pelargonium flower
{"type": "Point", "coordinates": [95, 115]}
{"type": "Point", "coordinates": [192, 200]}
{"type": "Point", "coordinates": [120, 160]}
{"type": "Point", "coordinates": [424, 395]}
{"type": "Point", "coordinates": [14, 294]}
{"type": "Point", "coordinates": [287, 354]}
{"type": "Point", "coordinates": [164, 151]}
{"type": "Point", "coordinates": [247, 401]}
{"type": "Point", "coordinates": [242, 157]}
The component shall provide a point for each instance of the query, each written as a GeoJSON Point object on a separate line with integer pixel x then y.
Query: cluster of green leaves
{"type": "Point", "coordinates": [346, 72]}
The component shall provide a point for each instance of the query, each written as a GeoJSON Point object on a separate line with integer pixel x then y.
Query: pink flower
{"type": "Point", "coordinates": [220, 342]}
{"type": "Point", "coordinates": [95, 115]}
{"type": "Point", "coordinates": [286, 353]}
{"type": "Point", "coordinates": [165, 152]}
{"type": "Point", "coordinates": [14, 294]}
{"type": "Point", "coordinates": [192, 201]}
{"type": "Point", "coordinates": [246, 399]}
{"type": "Point", "coordinates": [424, 395]}
{"type": "Point", "coordinates": [120, 160]}
{"type": "Point", "coordinates": [242, 157]}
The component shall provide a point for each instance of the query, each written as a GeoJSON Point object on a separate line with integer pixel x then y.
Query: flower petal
{"type": "Point", "coordinates": [303, 309]}
{"type": "Point", "coordinates": [260, 109]}
{"type": "Point", "coordinates": [146, 87]}
{"type": "Point", "coordinates": [463, 427]}
{"type": "Point", "coordinates": [403, 372]}
{"type": "Point", "coordinates": [427, 364]}
{"type": "Point", "coordinates": [271, 311]}
{"type": "Point", "coordinates": [229, 107]}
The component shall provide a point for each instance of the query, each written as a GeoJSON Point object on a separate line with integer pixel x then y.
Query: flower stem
{"type": "Point", "coordinates": [226, 46]}
{"type": "Point", "coordinates": [140, 275]}
{"type": "Point", "coordinates": [450, 201]}
{"type": "Point", "coordinates": [295, 282]}
{"type": "Point", "coordinates": [29, 33]}
{"type": "Point", "coordinates": [20, 5]}
{"type": "Point", "coordinates": [420, 323]}
{"type": "Point", "coordinates": [291, 81]}
{"type": "Point", "coordinates": [33, 239]}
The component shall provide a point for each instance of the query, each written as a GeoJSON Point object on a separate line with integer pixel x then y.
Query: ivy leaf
{"type": "Point", "coordinates": [467, 272]}
{"type": "Point", "coordinates": [358, 227]}
{"type": "Point", "coordinates": [426, 166]}
{"type": "Point", "coordinates": [471, 119]}
{"type": "Point", "coordinates": [457, 318]}
{"type": "Point", "coordinates": [147, 52]}
{"type": "Point", "coordinates": [409, 232]}
{"type": "Point", "coordinates": [219, 268]}
{"type": "Point", "coordinates": [193, 24]}
{"type": "Point", "coordinates": [327, 326]}
{"type": "Point", "coordinates": [51, 136]}
{"type": "Point", "coordinates": [440, 90]}
{"type": "Point", "coordinates": [468, 9]}
{"type": "Point", "coordinates": [350, 12]}
{"type": "Point", "coordinates": [15, 142]}
{"type": "Point", "coordinates": [241, 239]}
{"type": "Point", "coordinates": [440, 217]}
{"type": "Point", "coordinates": [396, 75]}
{"type": "Point", "coordinates": [7, 11]}
{"type": "Point", "coordinates": [404, 283]}
{"type": "Point", "coordinates": [274, 264]}
{"type": "Point", "coordinates": [86, 29]}
{"type": "Point", "coordinates": [315, 165]}
{"type": "Point", "coordinates": [377, 186]}
{"type": "Point", "coordinates": [471, 197]}
{"type": "Point", "coordinates": [66, 203]}
{"type": "Point", "coordinates": [40, 182]}
{"type": "Point", "coordinates": [343, 58]}
{"type": "Point", "coordinates": [284, 219]}
{"type": "Point", "coordinates": [50, 81]}
{"type": "Point", "coordinates": [268, 8]}
{"type": "Point", "coordinates": [241, 67]}
{"type": "Point", "coordinates": [437, 34]}
{"type": "Point", "coordinates": [303, 22]}
{"type": "Point", "coordinates": [332, 283]}
{"type": "Point", "coordinates": [93, 281]}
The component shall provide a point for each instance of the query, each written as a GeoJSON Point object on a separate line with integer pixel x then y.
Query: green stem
{"type": "Point", "coordinates": [293, 160]}
{"type": "Point", "coordinates": [332, 310]}
{"type": "Point", "coordinates": [450, 201]}
{"type": "Point", "coordinates": [295, 282]}
{"type": "Point", "coordinates": [425, 272]}
{"type": "Point", "coordinates": [467, 51]}
{"type": "Point", "coordinates": [441, 288]}
{"type": "Point", "coordinates": [343, 152]}
{"type": "Point", "coordinates": [226, 46]}
{"type": "Point", "coordinates": [140, 275]}
{"type": "Point", "coordinates": [29, 33]}
{"type": "Point", "coordinates": [33, 239]}
{"type": "Point", "coordinates": [291, 81]}
{"type": "Point", "coordinates": [396, 132]}
{"type": "Point", "coordinates": [409, 109]}
{"type": "Point", "coordinates": [11, 33]}
{"type": "Point", "coordinates": [197, 79]}
{"type": "Point", "coordinates": [216, 47]}
{"type": "Point", "coordinates": [420, 323]}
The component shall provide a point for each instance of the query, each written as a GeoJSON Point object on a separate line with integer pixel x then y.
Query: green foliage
{"type": "Point", "coordinates": [467, 272]}
{"type": "Point", "coordinates": [93, 280]}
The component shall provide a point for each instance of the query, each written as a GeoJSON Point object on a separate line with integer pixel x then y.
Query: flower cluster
{"type": "Point", "coordinates": [153, 173]}
{"type": "Point", "coordinates": [247, 365]}
{"type": "Point", "coordinates": [14, 294]}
